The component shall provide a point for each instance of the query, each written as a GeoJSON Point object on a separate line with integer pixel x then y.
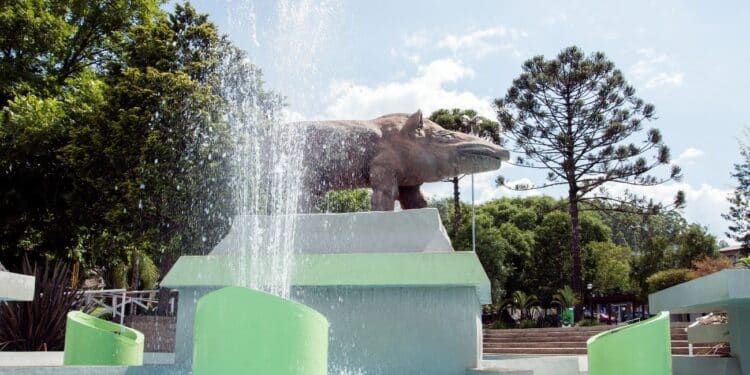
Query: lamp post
{"type": "Point", "coordinates": [473, 123]}
{"type": "Point", "coordinates": [590, 287]}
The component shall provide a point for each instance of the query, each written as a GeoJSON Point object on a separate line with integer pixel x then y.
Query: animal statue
{"type": "Point", "coordinates": [393, 155]}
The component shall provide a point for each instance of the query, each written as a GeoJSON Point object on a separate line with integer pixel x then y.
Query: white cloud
{"type": "Point", "coordinates": [656, 70]}
{"type": "Point", "coordinates": [704, 204]}
{"type": "Point", "coordinates": [482, 42]}
{"type": "Point", "coordinates": [424, 91]}
{"type": "Point", "coordinates": [556, 18]}
{"type": "Point", "coordinates": [477, 43]}
{"type": "Point", "coordinates": [485, 188]}
{"type": "Point", "coordinates": [419, 39]}
{"type": "Point", "coordinates": [688, 156]}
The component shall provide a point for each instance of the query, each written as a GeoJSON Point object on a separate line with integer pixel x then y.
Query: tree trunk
{"type": "Point", "coordinates": [575, 249]}
{"type": "Point", "coordinates": [456, 207]}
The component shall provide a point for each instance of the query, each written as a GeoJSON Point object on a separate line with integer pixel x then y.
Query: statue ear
{"type": "Point", "coordinates": [413, 123]}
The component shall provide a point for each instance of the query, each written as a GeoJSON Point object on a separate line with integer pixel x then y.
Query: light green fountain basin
{"type": "Point", "coordinates": [93, 341]}
{"type": "Point", "coordinates": [244, 331]}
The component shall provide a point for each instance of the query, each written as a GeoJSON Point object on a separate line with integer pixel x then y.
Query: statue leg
{"type": "Point", "coordinates": [384, 189]}
{"type": "Point", "coordinates": [411, 197]}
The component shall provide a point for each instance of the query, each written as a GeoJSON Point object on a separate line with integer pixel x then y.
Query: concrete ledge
{"type": "Point", "coordinates": [460, 268]}
{"type": "Point", "coordinates": [683, 365]}
{"type": "Point", "coordinates": [16, 287]}
{"type": "Point", "coordinates": [709, 293]}
{"type": "Point", "coordinates": [359, 232]}
{"type": "Point", "coordinates": [540, 365]}
{"type": "Point", "coordinates": [55, 359]}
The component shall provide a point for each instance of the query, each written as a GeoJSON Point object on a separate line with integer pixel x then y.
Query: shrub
{"type": "Point", "coordinates": [39, 325]}
{"type": "Point", "coordinates": [499, 324]}
{"type": "Point", "coordinates": [667, 278]}
{"type": "Point", "coordinates": [528, 323]}
{"type": "Point", "coordinates": [707, 266]}
{"type": "Point", "coordinates": [588, 322]}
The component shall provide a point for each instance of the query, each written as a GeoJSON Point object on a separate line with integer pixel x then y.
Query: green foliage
{"type": "Point", "coordinates": [114, 132]}
{"type": "Point", "coordinates": [588, 322]}
{"type": "Point", "coordinates": [739, 200]}
{"type": "Point", "coordinates": [354, 200]}
{"type": "Point", "coordinates": [611, 267]}
{"type": "Point", "coordinates": [521, 304]}
{"type": "Point", "coordinates": [455, 119]}
{"type": "Point", "coordinates": [39, 325]}
{"type": "Point", "coordinates": [575, 116]}
{"type": "Point", "coordinates": [695, 243]}
{"type": "Point", "coordinates": [667, 278]}
{"type": "Point", "coordinates": [566, 297]}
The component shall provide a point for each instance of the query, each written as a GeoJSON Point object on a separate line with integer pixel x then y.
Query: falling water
{"type": "Point", "coordinates": [267, 162]}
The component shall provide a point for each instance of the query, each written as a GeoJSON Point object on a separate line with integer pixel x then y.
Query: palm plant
{"type": "Point", "coordinates": [521, 303]}
{"type": "Point", "coordinates": [566, 297]}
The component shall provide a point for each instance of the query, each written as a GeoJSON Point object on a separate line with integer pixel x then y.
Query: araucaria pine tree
{"type": "Point", "coordinates": [574, 116]}
{"type": "Point", "coordinates": [739, 200]}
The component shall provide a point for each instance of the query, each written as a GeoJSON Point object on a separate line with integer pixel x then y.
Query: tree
{"type": "Point", "coordinates": [354, 200]}
{"type": "Point", "coordinates": [693, 244]}
{"type": "Point", "coordinates": [573, 116]}
{"type": "Point", "coordinates": [461, 121]}
{"type": "Point", "coordinates": [121, 164]}
{"type": "Point", "coordinates": [739, 200]}
{"type": "Point", "coordinates": [611, 268]}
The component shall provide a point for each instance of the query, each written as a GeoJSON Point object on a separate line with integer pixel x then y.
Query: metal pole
{"type": "Point", "coordinates": [473, 219]}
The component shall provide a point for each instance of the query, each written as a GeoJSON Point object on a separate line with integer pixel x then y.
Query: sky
{"type": "Point", "coordinates": [361, 59]}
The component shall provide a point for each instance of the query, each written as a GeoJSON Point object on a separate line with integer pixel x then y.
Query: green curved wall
{"type": "Point", "coordinates": [244, 331]}
{"type": "Point", "coordinates": [93, 341]}
{"type": "Point", "coordinates": [643, 348]}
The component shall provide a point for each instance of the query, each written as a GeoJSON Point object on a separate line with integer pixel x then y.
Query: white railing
{"type": "Point", "coordinates": [116, 301]}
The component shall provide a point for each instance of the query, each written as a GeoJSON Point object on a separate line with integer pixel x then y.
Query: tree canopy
{"type": "Point", "coordinates": [575, 117]}
{"type": "Point", "coordinates": [117, 142]}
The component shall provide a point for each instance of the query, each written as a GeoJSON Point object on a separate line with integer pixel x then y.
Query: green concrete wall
{"type": "Point", "coordinates": [93, 341]}
{"type": "Point", "coordinates": [643, 348]}
{"type": "Point", "coordinates": [399, 330]}
{"type": "Point", "coordinates": [243, 331]}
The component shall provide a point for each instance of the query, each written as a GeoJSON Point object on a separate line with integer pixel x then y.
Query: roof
{"type": "Point", "coordinates": [461, 268]}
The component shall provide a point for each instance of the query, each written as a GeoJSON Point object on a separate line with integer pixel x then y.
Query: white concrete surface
{"type": "Point", "coordinates": [55, 359]}
{"type": "Point", "coordinates": [16, 287]}
{"type": "Point", "coordinates": [378, 232]}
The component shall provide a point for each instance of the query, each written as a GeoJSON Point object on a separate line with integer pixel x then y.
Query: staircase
{"type": "Point", "coordinates": [568, 341]}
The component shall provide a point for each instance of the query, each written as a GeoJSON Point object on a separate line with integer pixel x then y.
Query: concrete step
{"type": "Point", "coordinates": [571, 351]}
{"type": "Point", "coordinates": [497, 371]}
{"type": "Point", "coordinates": [555, 344]}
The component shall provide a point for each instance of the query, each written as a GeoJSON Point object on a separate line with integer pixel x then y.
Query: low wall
{"type": "Point", "coordinates": [158, 330]}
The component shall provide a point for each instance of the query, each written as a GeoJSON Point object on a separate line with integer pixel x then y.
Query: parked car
{"type": "Point", "coordinates": [604, 318]}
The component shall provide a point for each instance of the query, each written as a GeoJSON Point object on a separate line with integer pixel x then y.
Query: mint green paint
{"type": "Point", "coordinates": [244, 331]}
{"type": "Point", "coordinates": [739, 333]}
{"type": "Point", "coordinates": [709, 293]}
{"type": "Point", "coordinates": [399, 330]}
{"type": "Point", "coordinates": [643, 348]}
{"type": "Point", "coordinates": [727, 291]}
{"type": "Point", "coordinates": [93, 341]}
{"type": "Point", "coordinates": [361, 269]}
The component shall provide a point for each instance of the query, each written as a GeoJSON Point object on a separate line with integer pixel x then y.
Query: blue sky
{"type": "Point", "coordinates": [361, 59]}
